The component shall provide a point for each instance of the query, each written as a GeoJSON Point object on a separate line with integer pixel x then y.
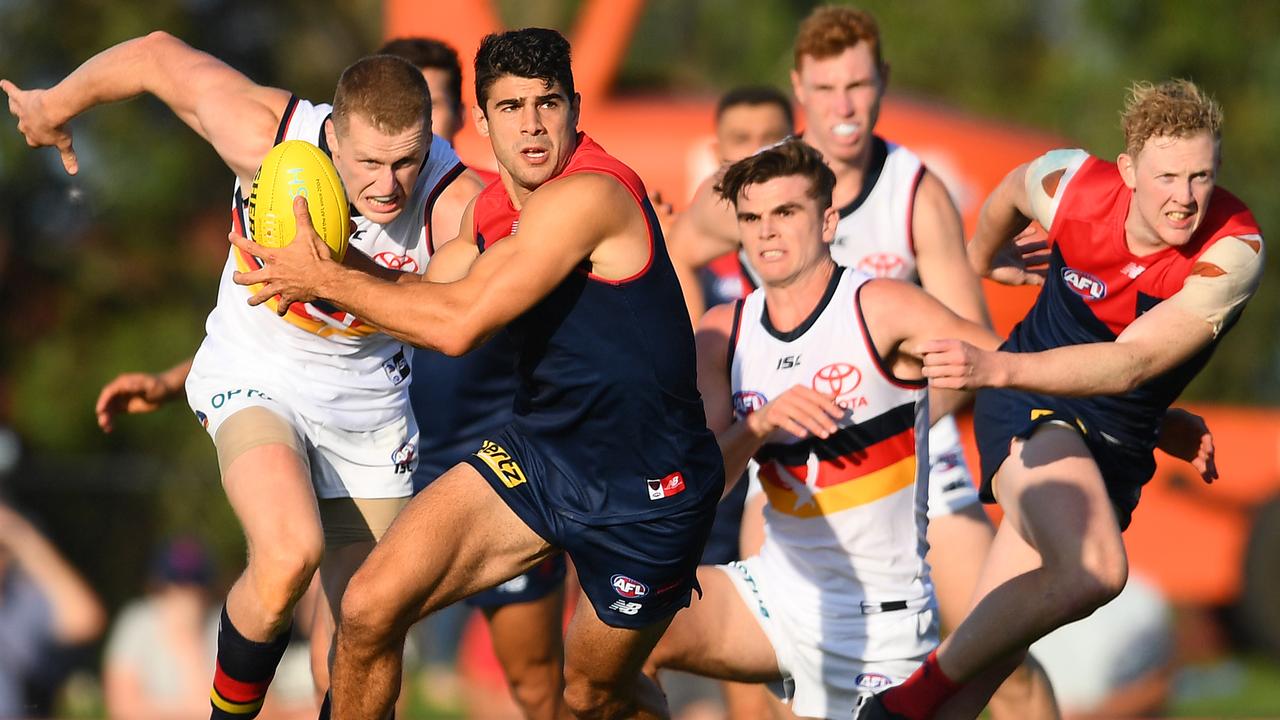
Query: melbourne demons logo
{"type": "Point", "coordinates": [628, 588]}
{"type": "Point", "coordinates": [883, 265]}
{"type": "Point", "coordinates": [839, 380]}
{"type": "Point", "coordinates": [746, 402]}
{"type": "Point", "coordinates": [392, 261]}
{"type": "Point", "coordinates": [1084, 284]}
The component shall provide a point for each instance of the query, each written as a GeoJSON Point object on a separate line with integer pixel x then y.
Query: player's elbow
{"type": "Point", "coordinates": [458, 339]}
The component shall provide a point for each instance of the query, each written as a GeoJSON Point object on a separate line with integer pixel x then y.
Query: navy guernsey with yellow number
{"type": "Point", "coordinates": [608, 455]}
{"type": "Point", "coordinates": [607, 371]}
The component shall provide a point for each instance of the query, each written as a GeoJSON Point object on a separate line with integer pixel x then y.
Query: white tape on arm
{"type": "Point", "coordinates": [1046, 180]}
{"type": "Point", "coordinates": [1223, 280]}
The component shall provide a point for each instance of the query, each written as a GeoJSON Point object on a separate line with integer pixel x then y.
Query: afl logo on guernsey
{"type": "Point", "coordinates": [746, 402]}
{"type": "Point", "coordinates": [1084, 284]}
{"type": "Point", "coordinates": [628, 588]}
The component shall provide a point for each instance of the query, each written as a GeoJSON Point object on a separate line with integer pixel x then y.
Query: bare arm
{"type": "Point", "coordinates": [1006, 212]}
{"type": "Point", "coordinates": [902, 319]}
{"type": "Point", "coordinates": [236, 116]}
{"type": "Point", "coordinates": [700, 234]}
{"type": "Point", "coordinates": [131, 393]}
{"type": "Point", "coordinates": [78, 616]}
{"type": "Point", "coordinates": [800, 410]}
{"type": "Point", "coordinates": [943, 264]}
{"type": "Point", "coordinates": [1161, 339]}
{"type": "Point", "coordinates": [557, 231]}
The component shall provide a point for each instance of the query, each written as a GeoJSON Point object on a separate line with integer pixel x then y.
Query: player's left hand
{"type": "Point", "coordinates": [294, 272]}
{"type": "Point", "coordinates": [1186, 436]}
{"type": "Point", "coordinates": [957, 365]}
{"type": "Point", "coordinates": [1024, 260]}
{"type": "Point", "coordinates": [37, 125]}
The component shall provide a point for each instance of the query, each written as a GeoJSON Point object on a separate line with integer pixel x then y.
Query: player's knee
{"type": "Point", "coordinates": [585, 698]}
{"type": "Point", "coordinates": [1099, 579]}
{"type": "Point", "coordinates": [536, 691]}
{"type": "Point", "coordinates": [368, 617]}
{"type": "Point", "coordinates": [281, 575]}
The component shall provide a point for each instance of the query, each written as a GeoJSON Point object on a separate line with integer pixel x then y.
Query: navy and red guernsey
{"type": "Point", "coordinates": [607, 375]}
{"type": "Point", "coordinates": [1096, 288]}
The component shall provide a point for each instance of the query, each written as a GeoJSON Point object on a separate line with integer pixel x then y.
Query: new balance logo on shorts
{"type": "Point", "coordinates": [672, 484]}
{"type": "Point", "coordinates": [501, 462]}
{"type": "Point", "coordinates": [626, 608]}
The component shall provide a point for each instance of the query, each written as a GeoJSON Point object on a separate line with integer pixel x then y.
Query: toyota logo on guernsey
{"type": "Point", "coordinates": [628, 588]}
{"type": "Point", "coordinates": [1084, 284]}
{"type": "Point", "coordinates": [883, 265]}
{"type": "Point", "coordinates": [393, 261]}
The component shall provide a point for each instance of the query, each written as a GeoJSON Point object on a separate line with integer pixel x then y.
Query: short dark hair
{"type": "Point", "coordinates": [385, 90]}
{"type": "Point", "coordinates": [789, 157]}
{"type": "Point", "coordinates": [755, 95]}
{"type": "Point", "coordinates": [529, 53]}
{"type": "Point", "coordinates": [428, 53]}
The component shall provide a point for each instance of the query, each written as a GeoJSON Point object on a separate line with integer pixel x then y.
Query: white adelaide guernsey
{"type": "Point", "coordinates": [335, 368]}
{"type": "Point", "coordinates": [845, 522]}
{"type": "Point", "coordinates": [874, 233]}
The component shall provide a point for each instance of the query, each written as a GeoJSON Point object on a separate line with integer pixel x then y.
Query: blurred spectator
{"type": "Point", "coordinates": [1116, 663]}
{"type": "Point", "coordinates": [45, 608]}
{"type": "Point", "coordinates": [160, 652]}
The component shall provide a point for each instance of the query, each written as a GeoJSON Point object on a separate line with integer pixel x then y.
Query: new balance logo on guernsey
{"type": "Point", "coordinates": [1132, 270]}
{"type": "Point", "coordinates": [501, 462]}
{"type": "Point", "coordinates": [672, 484]}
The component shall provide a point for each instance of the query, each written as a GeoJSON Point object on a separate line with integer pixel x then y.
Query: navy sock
{"type": "Point", "coordinates": [243, 672]}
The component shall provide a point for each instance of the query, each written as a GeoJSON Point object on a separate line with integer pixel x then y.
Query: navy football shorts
{"type": "Point", "coordinates": [1001, 415]}
{"type": "Point", "coordinates": [635, 573]}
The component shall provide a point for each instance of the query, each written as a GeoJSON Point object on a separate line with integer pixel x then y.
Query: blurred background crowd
{"type": "Point", "coordinates": [112, 546]}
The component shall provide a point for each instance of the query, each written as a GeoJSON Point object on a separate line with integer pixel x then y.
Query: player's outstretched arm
{"type": "Point", "coordinates": [236, 116]}
{"type": "Point", "coordinates": [1186, 436]}
{"type": "Point", "coordinates": [131, 393]}
{"type": "Point", "coordinates": [557, 232]}
{"type": "Point", "coordinates": [1221, 282]}
{"type": "Point", "coordinates": [941, 259]}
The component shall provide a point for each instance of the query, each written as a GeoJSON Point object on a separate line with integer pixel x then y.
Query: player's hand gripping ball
{"type": "Point", "coordinates": [293, 168]}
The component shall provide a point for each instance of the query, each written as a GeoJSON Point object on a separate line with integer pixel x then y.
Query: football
{"type": "Point", "coordinates": [293, 168]}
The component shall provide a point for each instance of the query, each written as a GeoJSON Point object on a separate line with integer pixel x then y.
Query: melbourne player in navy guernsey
{"type": "Point", "coordinates": [608, 457]}
{"type": "Point", "coordinates": [1151, 264]}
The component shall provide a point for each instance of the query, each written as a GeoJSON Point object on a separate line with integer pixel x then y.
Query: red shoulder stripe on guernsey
{"type": "Point", "coordinates": [885, 371]}
{"type": "Point", "coordinates": [434, 195]}
{"type": "Point", "coordinates": [283, 131]}
{"type": "Point", "coordinates": [911, 209]}
{"type": "Point", "coordinates": [734, 331]}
